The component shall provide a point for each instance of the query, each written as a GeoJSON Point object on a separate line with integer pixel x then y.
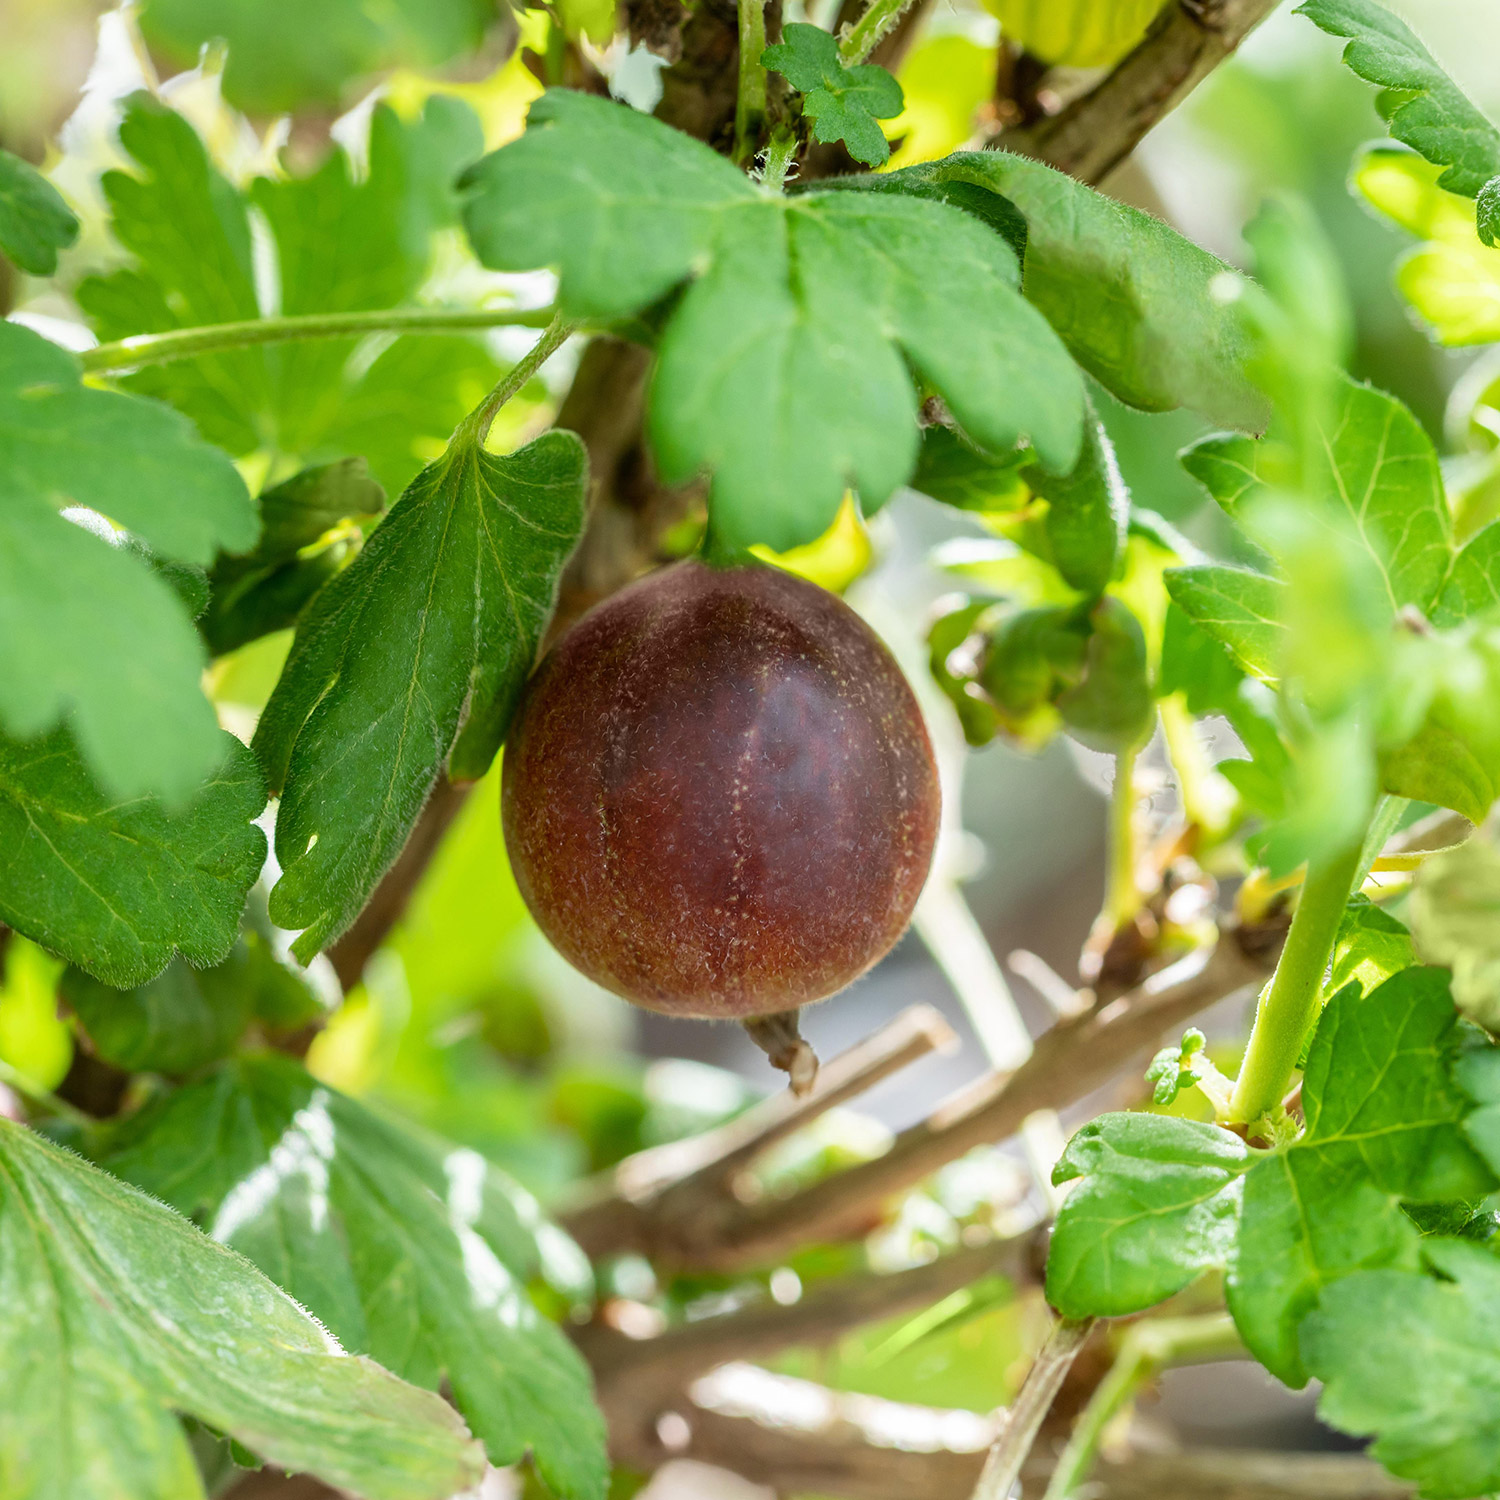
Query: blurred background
{"type": "Point", "coordinates": [467, 1020]}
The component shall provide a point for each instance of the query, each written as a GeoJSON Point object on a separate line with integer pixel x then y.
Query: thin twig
{"type": "Point", "coordinates": [217, 338]}
{"type": "Point", "coordinates": [709, 1229]}
{"type": "Point", "coordinates": [1034, 1400]}
{"type": "Point", "coordinates": [710, 1163]}
{"type": "Point", "coordinates": [1101, 128]}
{"type": "Point", "coordinates": [1149, 1348]}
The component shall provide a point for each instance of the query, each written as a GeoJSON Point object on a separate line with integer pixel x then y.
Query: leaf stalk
{"type": "Point", "coordinates": [216, 338]}
{"type": "Point", "coordinates": [860, 40]}
{"type": "Point", "coordinates": [475, 427]}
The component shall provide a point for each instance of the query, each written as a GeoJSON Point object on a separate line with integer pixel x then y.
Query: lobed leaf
{"type": "Point", "coordinates": [277, 62]}
{"type": "Point", "coordinates": [86, 631]}
{"type": "Point", "coordinates": [842, 103]}
{"type": "Point", "coordinates": [1427, 110]}
{"type": "Point", "coordinates": [366, 716]}
{"type": "Point", "coordinates": [787, 388]}
{"type": "Point", "coordinates": [1157, 1205]}
{"type": "Point", "coordinates": [65, 884]}
{"type": "Point", "coordinates": [1384, 1123]}
{"type": "Point", "coordinates": [120, 1314]}
{"type": "Point", "coordinates": [1140, 307]}
{"type": "Point", "coordinates": [410, 1250]}
{"type": "Point", "coordinates": [1409, 1359]}
{"type": "Point", "coordinates": [35, 223]}
{"type": "Point", "coordinates": [340, 241]}
{"type": "Point", "coordinates": [1377, 471]}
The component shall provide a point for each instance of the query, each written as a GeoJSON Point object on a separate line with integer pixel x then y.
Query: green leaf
{"type": "Point", "coordinates": [785, 369]}
{"type": "Point", "coordinates": [1378, 471]}
{"type": "Point", "coordinates": [842, 103]}
{"type": "Point", "coordinates": [35, 223]}
{"type": "Point", "coordinates": [1112, 708]}
{"type": "Point", "coordinates": [1487, 211]}
{"type": "Point", "coordinates": [1370, 947]}
{"type": "Point", "coordinates": [310, 528]}
{"type": "Point", "coordinates": [339, 241]}
{"type": "Point", "coordinates": [1452, 280]}
{"type": "Point", "coordinates": [1473, 587]}
{"type": "Point", "coordinates": [187, 1017]}
{"type": "Point", "coordinates": [119, 1314]}
{"type": "Point", "coordinates": [1140, 307]}
{"type": "Point", "coordinates": [1087, 510]}
{"type": "Point", "coordinates": [278, 62]}
{"type": "Point", "coordinates": [85, 629]}
{"type": "Point", "coordinates": [1428, 111]}
{"type": "Point", "coordinates": [1384, 1122]}
{"type": "Point", "coordinates": [1238, 608]}
{"type": "Point", "coordinates": [1411, 1360]}
{"type": "Point", "coordinates": [118, 887]}
{"type": "Point", "coordinates": [954, 472]}
{"type": "Point", "coordinates": [1456, 921]}
{"type": "Point", "coordinates": [410, 663]}
{"type": "Point", "coordinates": [1157, 1205]}
{"type": "Point", "coordinates": [410, 1250]}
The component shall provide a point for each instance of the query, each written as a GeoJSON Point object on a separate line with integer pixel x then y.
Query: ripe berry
{"type": "Point", "coordinates": [719, 797]}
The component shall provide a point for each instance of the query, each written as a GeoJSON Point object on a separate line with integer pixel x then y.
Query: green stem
{"type": "Point", "coordinates": [14, 1078]}
{"type": "Point", "coordinates": [750, 106]}
{"type": "Point", "coordinates": [1289, 1003]}
{"type": "Point", "coordinates": [859, 41]}
{"type": "Point", "coordinates": [1148, 1349]}
{"type": "Point", "coordinates": [778, 159]}
{"type": "Point", "coordinates": [213, 338]}
{"type": "Point", "coordinates": [1207, 798]}
{"type": "Point", "coordinates": [476, 426]}
{"type": "Point", "coordinates": [1122, 891]}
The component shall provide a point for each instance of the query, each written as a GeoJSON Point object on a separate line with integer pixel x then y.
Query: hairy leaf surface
{"type": "Point", "coordinates": [410, 663]}
{"type": "Point", "coordinates": [1411, 1361]}
{"type": "Point", "coordinates": [1140, 307]}
{"type": "Point", "coordinates": [1384, 1123]}
{"type": "Point", "coordinates": [783, 371]}
{"type": "Point", "coordinates": [118, 887]}
{"type": "Point", "coordinates": [409, 1250]}
{"type": "Point", "coordinates": [1427, 110]}
{"type": "Point", "coordinates": [1157, 1206]}
{"type": "Point", "coordinates": [119, 1314]}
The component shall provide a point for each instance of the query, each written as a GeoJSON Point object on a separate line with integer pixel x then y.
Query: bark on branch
{"type": "Point", "coordinates": [1097, 131]}
{"type": "Point", "coordinates": [708, 1228]}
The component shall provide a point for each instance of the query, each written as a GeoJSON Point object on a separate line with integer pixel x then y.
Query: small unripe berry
{"type": "Point", "coordinates": [719, 796]}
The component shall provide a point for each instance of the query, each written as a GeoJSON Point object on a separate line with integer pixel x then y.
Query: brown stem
{"type": "Point", "coordinates": [1002, 1468]}
{"type": "Point", "coordinates": [713, 1230]}
{"type": "Point", "coordinates": [614, 1212]}
{"type": "Point", "coordinates": [1102, 127]}
{"type": "Point", "coordinates": [638, 1379]}
{"type": "Point", "coordinates": [384, 908]}
{"type": "Point", "coordinates": [780, 1038]}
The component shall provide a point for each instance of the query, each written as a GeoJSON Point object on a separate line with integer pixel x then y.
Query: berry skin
{"type": "Point", "coordinates": [719, 797]}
